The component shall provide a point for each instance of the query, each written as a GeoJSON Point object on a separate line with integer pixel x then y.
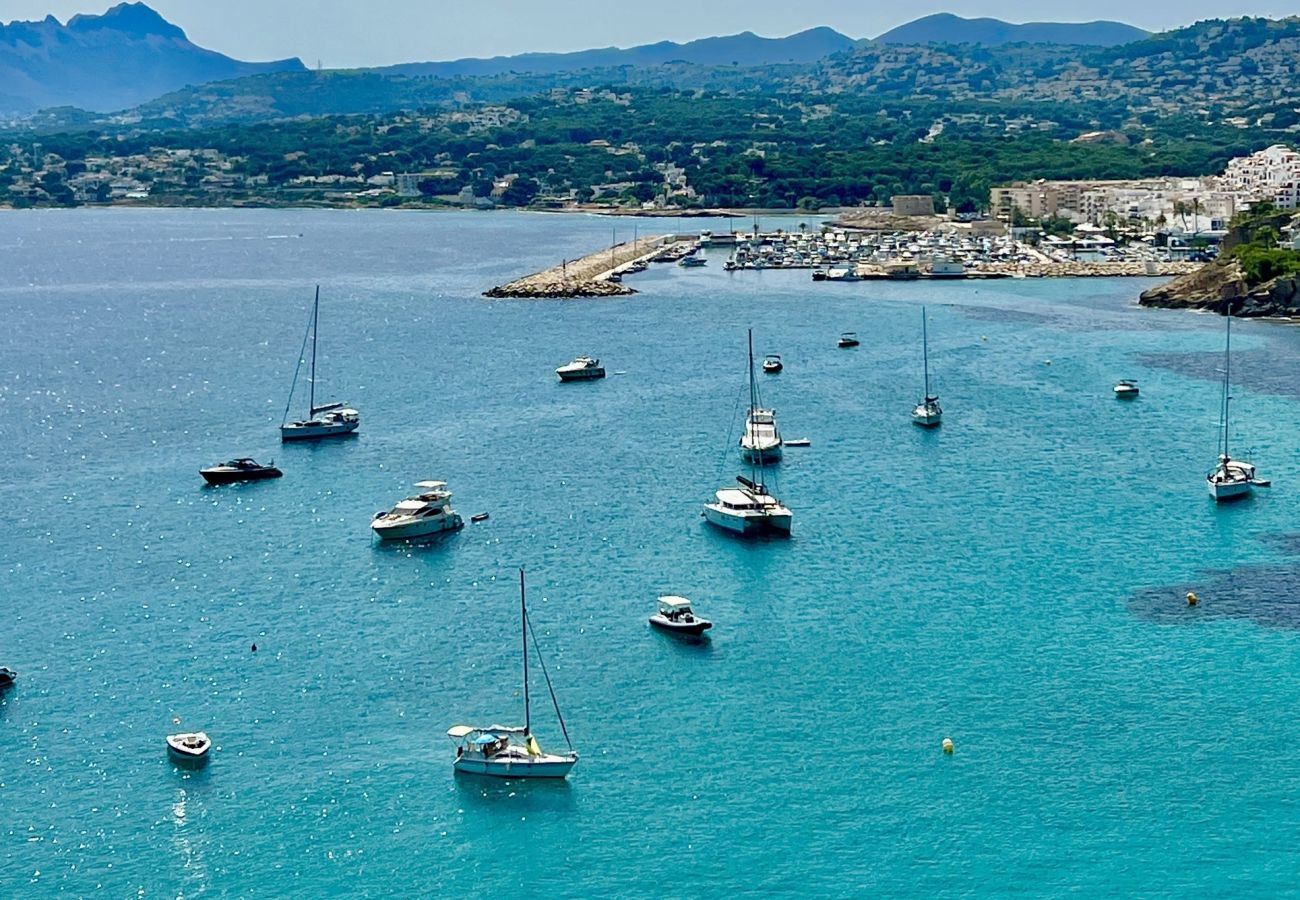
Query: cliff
{"type": "Point", "coordinates": [1221, 285]}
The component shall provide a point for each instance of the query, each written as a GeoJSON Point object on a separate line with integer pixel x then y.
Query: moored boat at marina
{"type": "Point", "coordinates": [509, 751]}
{"type": "Point", "coordinates": [324, 420]}
{"type": "Point", "coordinates": [584, 368]}
{"type": "Point", "coordinates": [427, 513]}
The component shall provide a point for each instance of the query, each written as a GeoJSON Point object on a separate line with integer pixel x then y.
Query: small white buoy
{"type": "Point", "coordinates": [947, 746]}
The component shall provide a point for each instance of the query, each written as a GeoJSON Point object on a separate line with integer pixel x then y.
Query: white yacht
{"type": "Point", "coordinates": [927, 413]}
{"type": "Point", "coordinates": [427, 513]}
{"type": "Point", "coordinates": [1230, 478]}
{"type": "Point", "coordinates": [325, 420]}
{"type": "Point", "coordinates": [512, 751]}
{"type": "Point", "coordinates": [584, 368]}
{"type": "Point", "coordinates": [748, 509]}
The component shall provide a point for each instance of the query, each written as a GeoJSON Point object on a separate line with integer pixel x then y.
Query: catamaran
{"type": "Point", "coordinates": [1230, 478]}
{"type": "Point", "coordinates": [927, 413]}
{"type": "Point", "coordinates": [326, 420]}
{"type": "Point", "coordinates": [761, 442]}
{"type": "Point", "coordinates": [511, 751]}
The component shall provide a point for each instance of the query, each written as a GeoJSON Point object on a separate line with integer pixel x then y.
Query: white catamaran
{"type": "Point", "coordinates": [327, 420]}
{"type": "Point", "coordinates": [761, 442]}
{"type": "Point", "coordinates": [509, 751]}
{"type": "Point", "coordinates": [1230, 478]}
{"type": "Point", "coordinates": [926, 413]}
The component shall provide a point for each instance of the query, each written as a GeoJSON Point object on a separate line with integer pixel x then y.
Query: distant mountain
{"type": "Point", "coordinates": [745, 49]}
{"type": "Point", "coordinates": [128, 55]}
{"type": "Point", "coordinates": [945, 28]}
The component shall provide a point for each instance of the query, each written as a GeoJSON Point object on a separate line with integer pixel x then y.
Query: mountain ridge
{"type": "Point", "coordinates": [946, 28]}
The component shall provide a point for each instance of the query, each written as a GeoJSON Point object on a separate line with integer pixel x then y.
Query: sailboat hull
{"type": "Point", "coordinates": [747, 524]}
{"type": "Point", "coordinates": [1229, 490]}
{"type": "Point", "coordinates": [763, 456]}
{"type": "Point", "coordinates": [310, 431]}
{"type": "Point", "coordinates": [545, 766]}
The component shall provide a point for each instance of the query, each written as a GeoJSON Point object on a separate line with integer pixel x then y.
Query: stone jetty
{"type": "Point", "coordinates": [594, 275]}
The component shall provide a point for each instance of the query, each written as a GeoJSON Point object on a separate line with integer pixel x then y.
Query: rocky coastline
{"type": "Point", "coordinates": [1221, 287]}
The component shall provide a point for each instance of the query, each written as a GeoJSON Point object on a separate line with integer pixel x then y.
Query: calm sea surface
{"type": "Point", "coordinates": [1013, 580]}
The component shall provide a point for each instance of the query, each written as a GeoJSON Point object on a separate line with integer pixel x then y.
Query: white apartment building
{"type": "Point", "coordinates": [1271, 174]}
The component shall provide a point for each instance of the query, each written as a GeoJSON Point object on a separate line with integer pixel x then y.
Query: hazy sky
{"type": "Point", "coordinates": [344, 33]}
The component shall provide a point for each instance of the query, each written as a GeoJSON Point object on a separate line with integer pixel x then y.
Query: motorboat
{"type": "Point", "coordinates": [243, 469]}
{"type": "Point", "coordinates": [1230, 479]}
{"type": "Point", "coordinates": [927, 413]}
{"type": "Point", "coordinates": [189, 747]}
{"type": "Point", "coordinates": [849, 339]}
{"type": "Point", "coordinates": [7, 677]}
{"type": "Point", "coordinates": [323, 420]}
{"type": "Point", "coordinates": [506, 751]}
{"type": "Point", "coordinates": [676, 617]}
{"type": "Point", "coordinates": [1126, 389]}
{"type": "Point", "coordinates": [748, 510]}
{"type": "Point", "coordinates": [761, 442]}
{"type": "Point", "coordinates": [427, 513]}
{"type": "Point", "coordinates": [692, 262]}
{"type": "Point", "coordinates": [772, 364]}
{"type": "Point", "coordinates": [584, 368]}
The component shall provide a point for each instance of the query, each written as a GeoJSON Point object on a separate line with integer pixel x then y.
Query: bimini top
{"type": "Point", "coordinates": [674, 602]}
{"type": "Point", "coordinates": [431, 485]}
{"type": "Point", "coordinates": [464, 731]}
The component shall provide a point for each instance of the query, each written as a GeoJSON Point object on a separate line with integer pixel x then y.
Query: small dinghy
{"type": "Point", "coordinates": [849, 339]}
{"type": "Point", "coordinates": [676, 617]}
{"type": "Point", "coordinates": [799, 442]}
{"type": "Point", "coordinates": [191, 747]}
{"type": "Point", "coordinates": [235, 470]}
{"type": "Point", "coordinates": [7, 677]}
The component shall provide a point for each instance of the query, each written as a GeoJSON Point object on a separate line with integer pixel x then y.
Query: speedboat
{"type": "Point", "coordinates": [189, 747]}
{"type": "Point", "coordinates": [7, 677]}
{"type": "Point", "coordinates": [748, 509]}
{"type": "Point", "coordinates": [243, 469]}
{"type": "Point", "coordinates": [584, 368]}
{"type": "Point", "coordinates": [427, 513]}
{"type": "Point", "coordinates": [772, 364]}
{"type": "Point", "coordinates": [761, 442]}
{"type": "Point", "coordinates": [849, 339]}
{"type": "Point", "coordinates": [511, 751]}
{"type": "Point", "coordinates": [676, 617]}
{"type": "Point", "coordinates": [1126, 389]}
{"type": "Point", "coordinates": [1230, 479]}
{"type": "Point", "coordinates": [692, 262]}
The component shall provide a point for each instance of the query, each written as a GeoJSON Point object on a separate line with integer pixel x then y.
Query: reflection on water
{"type": "Point", "coordinates": [526, 796]}
{"type": "Point", "coordinates": [187, 843]}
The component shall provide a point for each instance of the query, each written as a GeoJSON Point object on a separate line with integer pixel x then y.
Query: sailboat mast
{"type": "Point", "coordinates": [925, 353]}
{"type": "Point", "coordinates": [1227, 381]}
{"type": "Point", "coordinates": [523, 623]}
{"type": "Point", "coordinates": [315, 323]}
{"type": "Point", "coordinates": [753, 403]}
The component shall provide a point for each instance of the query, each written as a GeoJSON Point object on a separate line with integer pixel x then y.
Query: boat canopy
{"type": "Point", "coordinates": [328, 407]}
{"type": "Point", "coordinates": [431, 485]}
{"type": "Point", "coordinates": [460, 731]}
{"type": "Point", "coordinates": [673, 602]}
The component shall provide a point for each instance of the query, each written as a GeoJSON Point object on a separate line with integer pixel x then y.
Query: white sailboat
{"type": "Point", "coordinates": [326, 420]}
{"type": "Point", "coordinates": [1230, 478]}
{"type": "Point", "coordinates": [748, 509]}
{"type": "Point", "coordinates": [927, 413]}
{"type": "Point", "coordinates": [761, 442]}
{"type": "Point", "coordinates": [511, 751]}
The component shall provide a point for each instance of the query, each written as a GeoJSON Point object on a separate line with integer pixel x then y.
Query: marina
{"type": "Point", "coordinates": [966, 582]}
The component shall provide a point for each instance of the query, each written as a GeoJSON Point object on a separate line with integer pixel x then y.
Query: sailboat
{"type": "Point", "coordinates": [748, 509]}
{"type": "Point", "coordinates": [509, 751]}
{"type": "Point", "coordinates": [927, 413]}
{"type": "Point", "coordinates": [327, 420]}
{"type": "Point", "coordinates": [761, 442]}
{"type": "Point", "coordinates": [1230, 478]}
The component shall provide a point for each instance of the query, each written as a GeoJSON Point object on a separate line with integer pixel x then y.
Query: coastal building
{"type": "Point", "coordinates": [913, 204]}
{"type": "Point", "coordinates": [1271, 174]}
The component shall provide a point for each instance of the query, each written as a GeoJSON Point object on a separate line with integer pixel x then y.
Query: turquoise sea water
{"type": "Point", "coordinates": [1013, 580]}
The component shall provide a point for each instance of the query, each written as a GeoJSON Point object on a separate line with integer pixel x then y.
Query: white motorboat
{"type": "Point", "coordinates": [676, 617]}
{"type": "Point", "coordinates": [772, 364]}
{"type": "Point", "coordinates": [927, 413]}
{"type": "Point", "coordinates": [190, 746]}
{"type": "Point", "coordinates": [427, 513]}
{"type": "Point", "coordinates": [507, 751]}
{"type": "Point", "coordinates": [324, 420]}
{"type": "Point", "coordinates": [1126, 389]}
{"type": "Point", "coordinates": [1230, 479]}
{"type": "Point", "coordinates": [748, 510]}
{"type": "Point", "coordinates": [584, 368]}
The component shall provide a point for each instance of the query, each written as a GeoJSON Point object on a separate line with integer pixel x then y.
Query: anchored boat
{"type": "Point", "coordinates": [236, 470]}
{"type": "Point", "coordinates": [507, 751]}
{"type": "Point", "coordinates": [325, 420]}
{"type": "Point", "coordinates": [676, 617]}
{"type": "Point", "coordinates": [927, 413]}
{"type": "Point", "coordinates": [1230, 479]}
{"type": "Point", "coordinates": [190, 747]}
{"type": "Point", "coordinates": [427, 513]}
{"type": "Point", "coordinates": [584, 368]}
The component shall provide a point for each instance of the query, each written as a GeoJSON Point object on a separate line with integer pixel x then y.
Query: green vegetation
{"type": "Point", "coordinates": [1255, 235]}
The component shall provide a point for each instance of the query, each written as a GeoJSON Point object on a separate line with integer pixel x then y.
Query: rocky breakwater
{"type": "Point", "coordinates": [595, 275]}
{"type": "Point", "coordinates": [1221, 286]}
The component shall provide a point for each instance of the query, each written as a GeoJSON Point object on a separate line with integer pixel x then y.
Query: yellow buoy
{"type": "Point", "coordinates": [947, 745]}
{"type": "Point", "coordinates": [1192, 599]}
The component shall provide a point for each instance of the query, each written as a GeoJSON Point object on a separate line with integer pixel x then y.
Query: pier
{"type": "Point", "coordinates": [595, 275]}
